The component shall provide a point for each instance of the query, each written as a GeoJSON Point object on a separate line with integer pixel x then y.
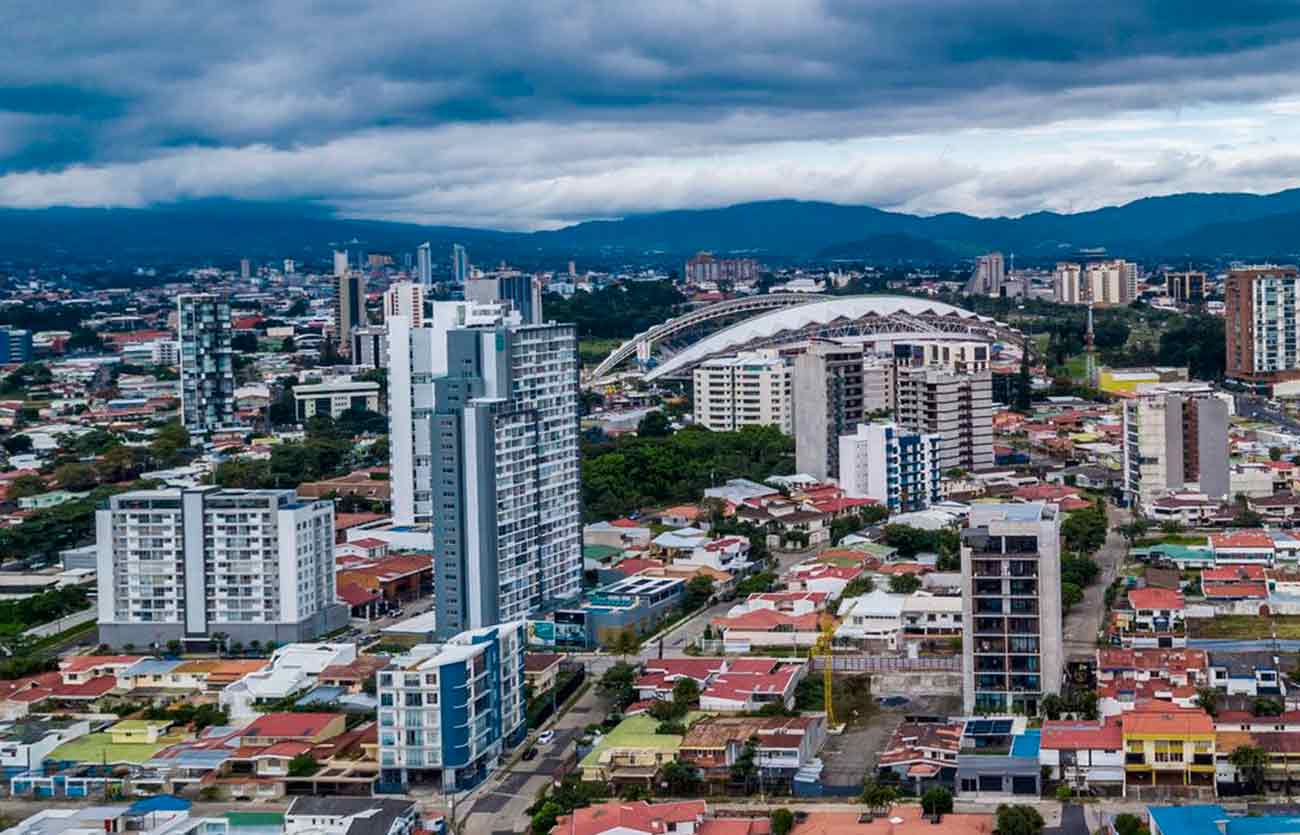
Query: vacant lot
{"type": "Point", "coordinates": [1244, 627]}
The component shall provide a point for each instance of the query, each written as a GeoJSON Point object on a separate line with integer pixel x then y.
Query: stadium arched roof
{"type": "Point", "coordinates": [843, 317]}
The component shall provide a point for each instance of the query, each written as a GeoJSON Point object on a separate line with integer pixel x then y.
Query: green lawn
{"type": "Point", "coordinates": [638, 732]}
{"type": "Point", "coordinates": [99, 748]}
{"type": "Point", "coordinates": [592, 351]}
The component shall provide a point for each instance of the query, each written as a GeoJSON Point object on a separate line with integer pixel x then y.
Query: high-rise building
{"type": "Point", "coordinates": [964, 357]}
{"type": "Point", "coordinates": [245, 269]}
{"type": "Point", "coordinates": [1175, 438]}
{"type": "Point", "coordinates": [1067, 284]}
{"type": "Point", "coordinates": [15, 345]}
{"type": "Point", "coordinates": [703, 268]}
{"type": "Point", "coordinates": [405, 299]}
{"type": "Point", "coordinates": [835, 388]}
{"type": "Point", "coordinates": [424, 265]}
{"type": "Point", "coordinates": [521, 290]}
{"type": "Point", "coordinates": [448, 711]}
{"type": "Point", "coordinates": [186, 564]}
{"type": "Point", "coordinates": [206, 362]}
{"type": "Point", "coordinates": [1262, 324]}
{"type": "Point", "coordinates": [290, 266]}
{"type": "Point", "coordinates": [1186, 287]}
{"type": "Point", "coordinates": [749, 389]}
{"type": "Point", "coordinates": [349, 309]}
{"type": "Point", "coordinates": [484, 438]}
{"type": "Point", "coordinates": [897, 468]}
{"type": "Point", "coordinates": [340, 263]}
{"type": "Point", "coordinates": [1011, 605]}
{"type": "Point", "coordinates": [370, 346]}
{"type": "Point", "coordinates": [989, 276]}
{"type": "Point", "coordinates": [459, 265]}
{"type": "Point", "coordinates": [957, 407]}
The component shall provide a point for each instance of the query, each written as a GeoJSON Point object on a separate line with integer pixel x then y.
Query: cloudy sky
{"type": "Point", "coordinates": [536, 114]}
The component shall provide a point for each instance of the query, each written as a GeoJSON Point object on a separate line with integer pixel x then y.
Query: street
{"type": "Point", "coordinates": [1084, 619]}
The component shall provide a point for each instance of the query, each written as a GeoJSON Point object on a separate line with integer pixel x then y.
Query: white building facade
{"type": "Point", "coordinates": [897, 468]}
{"type": "Point", "coordinates": [484, 436]}
{"type": "Point", "coordinates": [748, 389]}
{"type": "Point", "coordinates": [186, 564]}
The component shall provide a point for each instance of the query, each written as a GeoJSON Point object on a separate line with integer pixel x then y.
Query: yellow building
{"type": "Point", "coordinates": [1127, 380]}
{"type": "Point", "coordinates": [1168, 748]}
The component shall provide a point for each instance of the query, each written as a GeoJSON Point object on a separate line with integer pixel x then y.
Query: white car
{"type": "Point", "coordinates": [545, 737]}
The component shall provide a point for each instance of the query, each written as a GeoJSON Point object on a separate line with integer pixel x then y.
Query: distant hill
{"type": "Point", "coordinates": [1176, 225]}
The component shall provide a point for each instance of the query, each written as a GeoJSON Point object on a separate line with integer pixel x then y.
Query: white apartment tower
{"type": "Point", "coordinates": [185, 564]}
{"type": "Point", "coordinates": [340, 263]}
{"type": "Point", "coordinates": [484, 435]}
{"type": "Point", "coordinates": [1175, 438]}
{"type": "Point", "coordinates": [836, 387]}
{"type": "Point", "coordinates": [206, 362]}
{"type": "Point", "coordinates": [897, 468]}
{"type": "Point", "coordinates": [749, 389]}
{"type": "Point", "coordinates": [989, 275]}
{"type": "Point", "coordinates": [405, 299]}
{"type": "Point", "coordinates": [1011, 605]}
{"type": "Point", "coordinates": [424, 265]}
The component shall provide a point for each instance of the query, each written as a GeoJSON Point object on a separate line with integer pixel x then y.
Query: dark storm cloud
{"type": "Point", "coordinates": [139, 83]}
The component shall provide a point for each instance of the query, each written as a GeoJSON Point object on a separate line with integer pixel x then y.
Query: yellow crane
{"type": "Point", "coordinates": [825, 647]}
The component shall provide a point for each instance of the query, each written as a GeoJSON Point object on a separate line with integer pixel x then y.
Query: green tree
{"type": "Point", "coordinates": [76, 477]}
{"type": "Point", "coordinates": [1064, 793]}
{"type": "Point", "coordinates": [878, 798]}
{"type": "Point", "coordinates": [1071, 595]}
{"type": "Point", "coordinates": [654, 425]}
{"type": "Point", "coordinates": [1024, 383]}
{"type": "Point", "coordinates": [1207, 699]}
{"type": "Point", "coordinates": [17, 444]}
{"type": "Point", "coordinates": [679, 778]}
{"type": "Point", "coordinates": [782, 821]}
{"type": "Point", "coordinates": [745, 769]}
{"type": "Point", "coordinates": [1051, 706]}
{"type": "Point", "coordinates": [27, 485]}
{"type": "Point", "coordinates": [904, 583]}
{"type": "Point", "coordinates": [616, 684]}
{"type": "Point", "coordinates": [699, 590]}
{"type": "Point", "coordinates": [303, 765]}
{"type": "Point", "coordinates": [1128, 824]}
{"type": "Point", "coordinates": [169, 444]}
{"type": "Point", "coordinates": [936, 801]}
{"type": "Point", "coordinates": [174, 647]}
{"type": "Point", "coordinates": [545, 818]}
{"type": "Point", "coordinates": [1250, 762]}
{"type": "Point", "coordinates": [1016, 819]}
{"type": "Point", "coordinates": [118, 463]}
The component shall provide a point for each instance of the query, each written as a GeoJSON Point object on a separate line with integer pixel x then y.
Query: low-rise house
{"type": "Point", "coordinates": [1249, 673]}
{"type": "Point", "coordinates": [713, 744]}
{"type": "Point", "coordinates": [27, 743]}
{"type": "Point", "coordinates": [155, 816]}
{"type": "Point", "coordinates": [768, 628]}
{"type": "Point", "coordinates": [903, 819]}
{"type": "Point", "coordinates": [622, 534]}
{"type": "Point", "coordinates": [1170, 748]}
{"type": "Point", "coordinates": [292, 668]}
{"type": "Point", "coordinates": [1151, 617]}
{"type": "Point", "coordinates": [927, 615]}
{"type": "Point", "coordinates": [692, 546]}
{"type": "Point", "coordinates": [353, 676]}
{"type": "Point", "coordinates": [1084, 755]}
{"type": "Point", "coordinates": [351, 816]}
{"type": "Point", "coordinates": [999, 756]}
{"type": "Point", "coordinates": [1242, 547]}
{"type": "Point", "coordinates": [1177, 666]}
{"type": "Point", "coordinates": [871, 621]}
{"type": "Point", "coordinates": [541, 670]}
{"type": "Point", "coordinates": [619, 817]}
{"type": "Point", "coordinates": [821, 577]}
{"type": "Point", "coordinates": [632, 753]}
{"type": "Point", "coordinates": [748, 684]}
{"type": "Point", "coordinates": [923, 755]}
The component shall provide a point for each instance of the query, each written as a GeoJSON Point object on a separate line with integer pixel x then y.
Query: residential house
{"type": "Point", "coordinates": [1169, 749]}
{"type": "Point", "coordinates": [785, 745]}
{"type": "Point", "coordinates": [1249, 673]}
{"type": "Point", "coordinates": [923, 755]}
{"type": "Point", "coordinates": [619, 817]}
{"type": "Point", "coordinates": [1086, 755]}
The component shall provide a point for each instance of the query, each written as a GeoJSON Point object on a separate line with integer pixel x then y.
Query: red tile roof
{"type": "Point", "coordinates": [767, 620]}
{"type": "Point", "coordinates": [640, 817]}
{"type": "Point", "coordinates": [1232, 573]}
{"type": "Point", "coordinates": [290, 725]}
{"type": "Point", "coordinates": [1243, 591]}
{"type": "Point", "coordinates": [1158, 720]}
{"type": "Point", "coordinates": [1241, 539]}
{"type": "Point", "coordinates": [1072, 735]}
{"type": "Point", "coordinates": [1150, 598]}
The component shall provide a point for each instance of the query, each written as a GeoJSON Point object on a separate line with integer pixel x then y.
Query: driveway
{"type": "Point", "coordinates": [1084, 620]}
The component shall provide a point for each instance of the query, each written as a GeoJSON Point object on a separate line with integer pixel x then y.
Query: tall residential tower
{"type": "Point", "coordinates": [206, 363]}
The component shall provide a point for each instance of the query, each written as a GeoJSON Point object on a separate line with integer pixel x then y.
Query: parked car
{"type": "Point", "coordinates": [530, 754]}
{"type": "Point", "coordinates": [546, 737]}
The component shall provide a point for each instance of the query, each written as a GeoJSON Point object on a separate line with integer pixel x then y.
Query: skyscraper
{"type": "Point", "coordinates": [459, 264]}
{"type": "Point", "coordinates": [521, 290]}
{"type": "Point", "coordinates": [1262, 324]}
{"type": "Point", "coordinates": [245, 269]}
{"type": "Point", "coordinates": [206, 362]}
{"type": "Point", "coordinates": [424, 265]}
{"type": "Point", "coordinates": [340, 263]}
{"type": "Point", "coordinates": [958, 407]}
{"type": "Point", "coordinates": [349, 310]}
{"type": "Point", "coordinates": [1186, 287]}
{"type": "Point", "coordinates": [1011, 604]}
{"type": "Point", "coordinates": [989, 275]}
{"type": "Point", "coordinates": [897, 468]}
{"type": "Point", "coordinates": [405, 299]}
{"type": "Point", "coordinates": [484, 436]}
{"type": "Point", "coordinates": [1175, 438]}
{"type": "Point", "coordinates": [184, 564]}
{"type": "Point", "coordinates": [835, 388]}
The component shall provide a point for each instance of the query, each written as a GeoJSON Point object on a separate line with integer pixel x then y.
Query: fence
{"type": "Point", "coordinates": [889, 664]}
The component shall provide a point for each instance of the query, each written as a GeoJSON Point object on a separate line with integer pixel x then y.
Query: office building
{"type": "Point", "coordinates": [1011, 601]}
{"type": "Point", "coordinates": [459, 265]}
{"type": "Point", "coordinates": [483, 412]}
{"type": "Point", "coordinates": [334, 398]}
{"type": "Point", "coordinates": [370, 347]}
{"type": "Point", "coordinates": [349, 310]}
{"type": "Point", "coordinates": [245, 269]}
{"type": "Point", "coordinates": [186, 564]}
{"type": "Point", "coordinates": [897, 468]}
{"type": "Point", "coordinates": [836, 387]}
{"type": "Point", "coordinates": [749, 389]}
{"type": "Point", "coordinates": [1186, 288]}
{"type": "Point", "coordinates": [406, 299]}
{"type": "Point", "coordinates": [340, 263]}
{"type": "Point", "coordinates": [521, 291]}
{"type": "Point", "coordinates": [424, 265]}
{"type": "Point", "coordinates": [15, 346]}
{"type": "Point", "coordinates": [963, 357]}
{"type": "Point", "coordinates": [955, 406]}
{"type": "Point", "coordinates": [290, 266]}
{"type": "Point", "coordinates": [1262, 324]}
{"type": "Point", "coordinates": [1175, 438]}
{"type": "Point", "coordinates": [703, 268]}
{"type": "Point", "coordinates": [989, 276]}
{"type": "Point", "coordinates": [206, 363]}
{"type": "Point", "coordinates": [447, 712]}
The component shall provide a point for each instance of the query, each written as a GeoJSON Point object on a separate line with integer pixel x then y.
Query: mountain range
{"type": "Point", "coordinates": [1178, 225]}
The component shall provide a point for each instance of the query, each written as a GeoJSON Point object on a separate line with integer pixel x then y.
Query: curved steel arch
{"type": "Point", "coordinates": [644, 342]}
{"type": "Point", "coordinates": [841, 317]}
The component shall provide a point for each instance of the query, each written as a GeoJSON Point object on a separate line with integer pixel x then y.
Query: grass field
{"type": "Point", "coordinates": [592, 351]}
{"type": "Point", "coordinates": [1244, 627]}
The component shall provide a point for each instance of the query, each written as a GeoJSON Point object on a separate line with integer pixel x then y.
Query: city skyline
{"type": "Point", "coordinates": [596, 114]}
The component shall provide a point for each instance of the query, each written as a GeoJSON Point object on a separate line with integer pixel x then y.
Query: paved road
{"type": "Point", "coordinates": [1084, 620]}
{"type": "Point", "coordinates": [1251, 406]}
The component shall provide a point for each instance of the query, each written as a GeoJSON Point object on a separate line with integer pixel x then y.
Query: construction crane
{"type": "Point", "coordinates": [825, 647]}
